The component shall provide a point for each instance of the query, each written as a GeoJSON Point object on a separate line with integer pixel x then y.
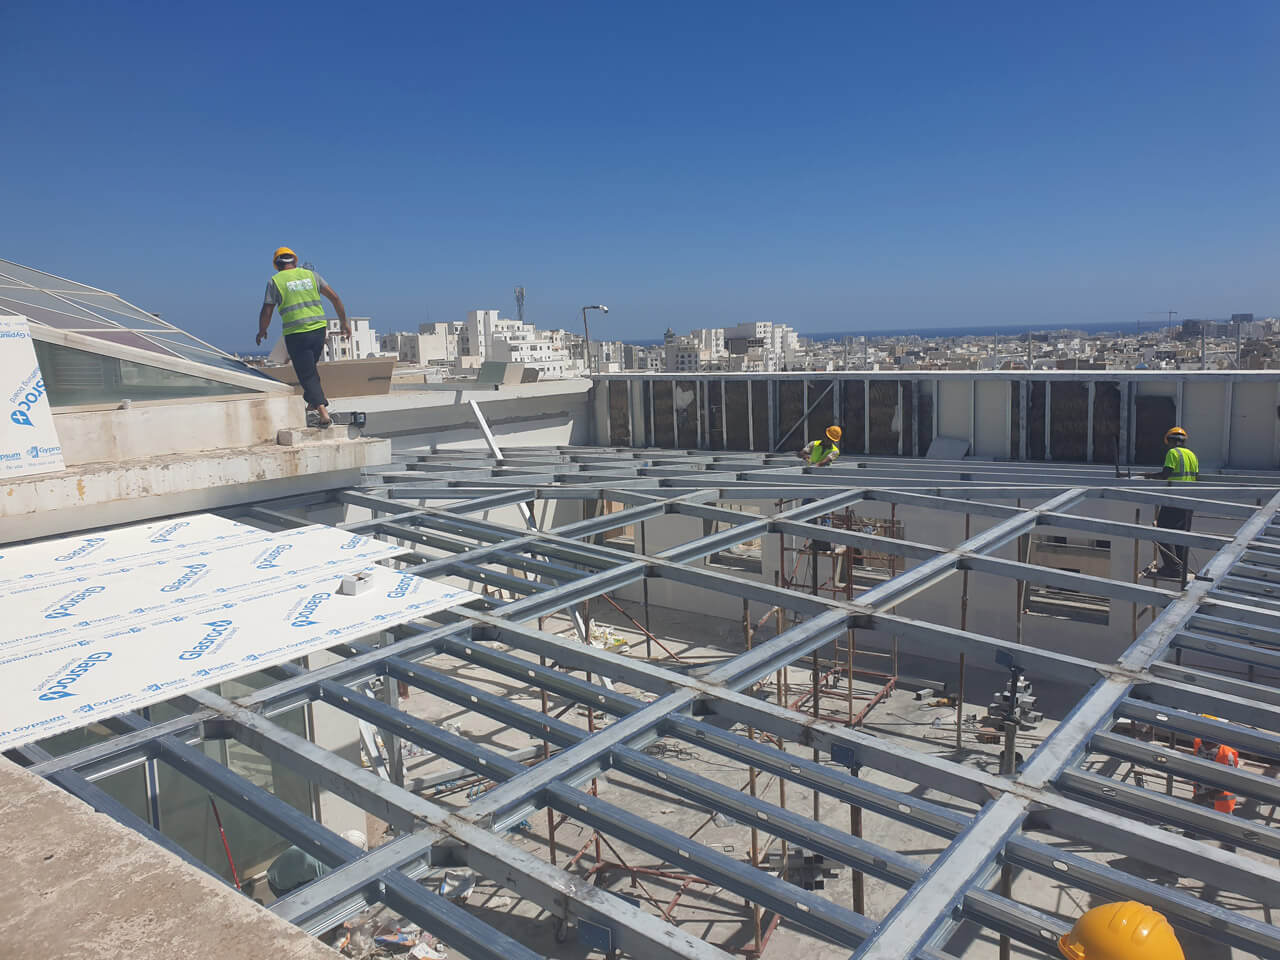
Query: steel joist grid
{"type": "Point", "coordinates": [437, 504]}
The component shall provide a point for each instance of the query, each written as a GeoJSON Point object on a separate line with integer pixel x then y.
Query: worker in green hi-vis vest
{"type": "Point", "coordinates": [297, 292]}
{"type": "Point", "coordinates": [1180, 466]}
{"type": "Point", "coordinates": [822, 453]}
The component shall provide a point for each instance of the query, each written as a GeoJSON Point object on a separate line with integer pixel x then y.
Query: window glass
{"type": "Point", "coordinates": [74, 377]}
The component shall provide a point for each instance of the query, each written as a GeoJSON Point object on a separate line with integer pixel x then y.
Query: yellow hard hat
{"type": "Point", "coordinates": [1175, 433]}
{"type": "Point", "coordinates": [284, 252]}
{"type": "Point", "coordinates": [834, 434]}
{"type": "Point", "coordinates": [1121, 931]}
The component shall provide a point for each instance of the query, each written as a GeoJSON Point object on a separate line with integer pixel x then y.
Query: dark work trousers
{"type": "Point", "coordinates": [305, 350]}
{"type": "Point", "coordinates": [1173, 518]}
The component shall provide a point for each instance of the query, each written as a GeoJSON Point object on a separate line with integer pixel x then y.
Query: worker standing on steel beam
{"type": "Point", "coordinates": [1121, 931]}
{"type": "Point", "coordinates": [1221, 800]}
{"type": "Point", "coordinates": [1180, 466]}
{"type": "Point", "coordinates": [822, 453]}
{"type": "Point", "coordinates": [297, 291]}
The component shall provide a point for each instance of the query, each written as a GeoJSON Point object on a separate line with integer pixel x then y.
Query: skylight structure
{"type": "Point", "coordinates": [95, 347]}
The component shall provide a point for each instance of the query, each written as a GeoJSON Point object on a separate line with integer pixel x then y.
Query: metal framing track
{"type": "Point", "coordinates": [436, 503]}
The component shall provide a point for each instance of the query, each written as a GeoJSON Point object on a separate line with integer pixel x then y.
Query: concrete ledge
{"type": "Point", "coordinates": [101, 494]}
{"type": "Point", "coordinates": [546, 413]}
{"type": "Point", "coordinates": [77, 884]}
{"type": "Point", "coordinates": [160, 428]}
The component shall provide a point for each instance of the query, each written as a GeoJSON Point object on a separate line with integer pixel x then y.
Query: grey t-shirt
{"type": "Point", "coordinates": [273, 295]}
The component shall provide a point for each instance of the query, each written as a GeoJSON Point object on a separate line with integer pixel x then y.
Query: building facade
{"type": "Point", "coordinates": [362, 344]}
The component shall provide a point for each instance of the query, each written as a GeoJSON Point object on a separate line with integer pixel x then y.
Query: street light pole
{"type": "Point", "coordinates": [586, 333]}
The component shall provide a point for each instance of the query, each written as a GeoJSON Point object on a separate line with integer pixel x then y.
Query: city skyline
{"type": "Point", "coordinates": [826, 167]}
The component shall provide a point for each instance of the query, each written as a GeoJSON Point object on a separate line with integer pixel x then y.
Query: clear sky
{"type": "Point", "coordinates": [836, 166]}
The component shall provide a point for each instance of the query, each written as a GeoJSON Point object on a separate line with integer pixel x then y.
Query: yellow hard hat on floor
{"type": "Point", "coordinates": [834, 434]}
{"type": "Point", "coordinates": [1121, 931]}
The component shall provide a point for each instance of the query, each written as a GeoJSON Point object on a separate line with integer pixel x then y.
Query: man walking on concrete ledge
{"type": "Point", "coordinates": [297, 291]}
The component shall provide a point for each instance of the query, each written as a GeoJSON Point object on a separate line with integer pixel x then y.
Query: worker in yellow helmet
{"type": "Point", "coordinates": [1180, 466]}
{"type": "Point", "coordinates": [1121, 931]}
{"type": "Point", "coordinates": [822, 453]}
{"type": "Point", "coordinates": [296, 291]}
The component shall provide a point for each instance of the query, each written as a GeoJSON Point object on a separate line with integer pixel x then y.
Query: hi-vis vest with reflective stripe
{"type": "Point", "coordinates": [1183, 464]}
{"type": "Point", "coordinates": [820, 453]}
{"type": "Point", "coordinates": [301, 309]}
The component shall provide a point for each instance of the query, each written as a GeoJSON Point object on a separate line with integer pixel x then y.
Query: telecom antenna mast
{"type": "Point", "coordinates": [520, 304]}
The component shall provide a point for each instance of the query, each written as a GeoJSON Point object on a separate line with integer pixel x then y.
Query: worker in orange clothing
{"type": "Point", "coordinates": [1121, 931]}
{"type": "Point", "coordinates": [1222, 801]}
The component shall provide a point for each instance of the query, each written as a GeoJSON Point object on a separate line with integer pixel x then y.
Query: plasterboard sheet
{"type": "Point", "coordinates": [133, 544]}
{"type": "Point", "coordinates": [28, 438]}
{"type": "Point", "coordinates": [61, 603]}
{"type": "Point", "coordinates": [94, 673]}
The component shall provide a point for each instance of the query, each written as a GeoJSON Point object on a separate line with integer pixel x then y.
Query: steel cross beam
{"type": "Point", "coordinates": [719, 693]}
{"type": "Point", "coordinates": [634, 930]}
{"type": "Point", "coordinates": [835, 784]}
{"type": "Point", "coordinates": [920, 919]}
{"type": "Point", "coordinates": [915, 579]}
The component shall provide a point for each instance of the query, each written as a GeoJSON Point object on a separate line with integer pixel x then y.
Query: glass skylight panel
{"type": "Point", "coordinates": [179, 340]}
{"type": "Point", "coordinates": [42, 281]}
{"type": "Point", "coordinates": [130, 339]}
{"type": "Point", "coordinates": [129, 320]}
{"type": "Point", "coordinates": [40, 298]}
{"type": "Point", "coordinates": [120, 311]}
{"type": "Point", "coordinates": [52, 301]}
{"type": "Point", "coordinates": [53, 318]}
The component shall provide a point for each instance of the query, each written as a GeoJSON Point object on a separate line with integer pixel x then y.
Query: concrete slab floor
{"type": "Point", "coordinates": [77, 884]}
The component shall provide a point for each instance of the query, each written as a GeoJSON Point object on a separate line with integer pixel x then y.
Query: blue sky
{"type": "Point", "coordinates": [842, 166]}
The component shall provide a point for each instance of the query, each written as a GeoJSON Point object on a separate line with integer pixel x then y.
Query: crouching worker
{"type": "Point", "coordinates": [822, 453]}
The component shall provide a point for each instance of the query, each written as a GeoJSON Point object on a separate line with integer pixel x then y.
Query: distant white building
{"type": "Point", "coordinates": [362, 343]}
{"type": "Point", "coordinates": [438, 342]}
{"type": "Point", "coordinates": [434, 343]}
{"type": "Point", "coordinates": [477, 333]}
{"type": "Point", "coordinates": [406, 346]}
{"type": "Point", "coordinates": [644, 358]}
{"type": "Point", "coordinates": [488, 336]}
{"type": "Point", "coordinates": [538, 353]}
{"type": "Point", "coordinates": [684, 354]}
{"type": "Point", "coordinates": [608, 356]}
{"type": "Point", "coordinates": [778, 344]}
{"type": "Point", "coordinates": [711, 339]}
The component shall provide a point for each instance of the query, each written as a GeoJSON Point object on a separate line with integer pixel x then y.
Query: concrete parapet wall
{"type": "Point", "coordinates": [546, 413]}
{"type": "Point", "coordinates": [97, 435]}
{"type": "Point", "coordinates": [1063, 416]}
{"type": "Point", "coordinates": [101, 494]}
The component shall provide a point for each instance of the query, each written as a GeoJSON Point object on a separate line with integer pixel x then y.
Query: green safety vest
{"type": "Point", "coordinates": [301, 309]}
{"type": "Point", "coordinates": [819, 452]}
{"type": "Point", "coordinates": [1183, 465]}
